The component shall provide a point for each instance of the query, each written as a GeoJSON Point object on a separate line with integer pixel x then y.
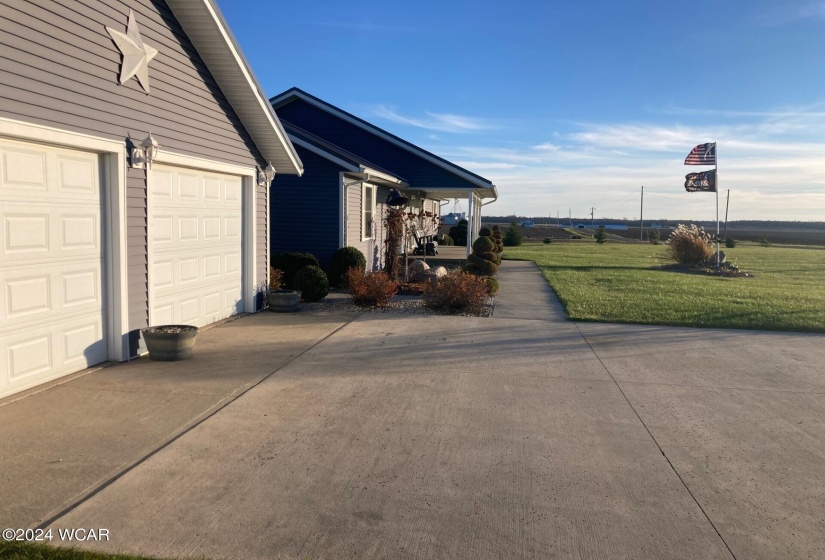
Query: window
{"type": "Point", "coordinates": [368, 209]}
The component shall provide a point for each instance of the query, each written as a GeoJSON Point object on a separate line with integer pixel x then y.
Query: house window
{"type": "Point", "coordinates": [368, 208]}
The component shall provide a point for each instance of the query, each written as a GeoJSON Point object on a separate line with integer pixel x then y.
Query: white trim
{"type": "Point", "coordinates": [452, 168]}
{"type": "Point", "coordinates": [324, 154]}
{"type": "Point", "coordinates": [180, 160]}
{"type": "Point", "coordinates": [342, 211]}
{"type": "Point", "coordinates": [249, 214]}
{"type": "Point", "coordinates": [364, 187]}
{"type": "Point", "coordinates": [113, 188]}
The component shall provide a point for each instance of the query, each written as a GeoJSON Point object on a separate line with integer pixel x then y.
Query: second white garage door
{"type": "Point", "coordinates": [195, 246]}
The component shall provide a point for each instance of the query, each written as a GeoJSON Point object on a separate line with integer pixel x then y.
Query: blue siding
{"type": "Point", "coordinates": [305, 210]}
{"type": "Point", "coordinates": [420, 173]}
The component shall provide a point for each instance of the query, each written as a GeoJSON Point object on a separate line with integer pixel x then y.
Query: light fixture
{"type": "Point", "coordinates": [144, 155]}
{"type": "Point", "coordinates": [265, 176]}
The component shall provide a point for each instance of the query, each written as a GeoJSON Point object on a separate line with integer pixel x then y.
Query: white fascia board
{"type": "Point", "coordinates": [385, 136]}
{"type": "Point", "coordinates": [203, 24]}
{"type": "Point", "coordinates": [461, 193]}
{"type": "Point", "coordinates": [324, 154]}
{"type": "Point", "coordinates": [385, 177]}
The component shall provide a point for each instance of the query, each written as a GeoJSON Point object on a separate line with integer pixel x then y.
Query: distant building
{"type": "Point", "coordinates": [452, 218]}
{"type": "Point", "coordinates": [527, 223]}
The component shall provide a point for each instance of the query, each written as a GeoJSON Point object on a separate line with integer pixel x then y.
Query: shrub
{"type": "Point", "coordinates": [485, 232]}
{"type": "Point", "coordinates": [764, 241]}
{"type": "Point", "coordinates": [575, 236]}
{"type": "Point", "coordinates": [290, 264]}
{"type": "Point", "coordinates": [498, 239]}
{"type": "Point", "coordinates": [513, 236]}
{"type": "Point", "coordinates": [370, 290]}
{"type": "Point", "coordinates": [276, 278]}
{"type": "Point", "coordinates": [653, 236]}
{"type": "Point", "coordinates": [457, 291]}
{"type": "Point", "coordinates": [446, 240]}
{"type": "Point", "coordinates": [492, 285]}
{"type": "Point", "coordinates": [312, 282]}
{"type": "Point", "coordinates": [342, 260]}
{"type": "Point", "coordinates": [689, 245]}
{"type": "Point", "coordinates": [548, 239]}
{"type": "Point", "coordinates": [601, 235]}
{"type": "Point", "coordinates": [459, 232]}
{"type": "Point", "coordinates": [730, 242]}
{"type": "Point", "coordinates": [483, 261]}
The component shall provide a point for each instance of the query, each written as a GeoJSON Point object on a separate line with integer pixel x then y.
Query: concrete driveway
{"type": "Point", "coordinates": [534, 437]}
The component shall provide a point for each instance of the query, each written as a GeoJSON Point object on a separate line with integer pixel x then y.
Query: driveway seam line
{"type": "Point", "coordinates": [117, 476]}
{"type": "Point", "coordinates": [723, 387]}
{"type": "Point", "coordinates": [662, 451]}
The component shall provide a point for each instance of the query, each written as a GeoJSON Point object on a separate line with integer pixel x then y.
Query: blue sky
{"type": "Point", "coordinates": [572, 105]}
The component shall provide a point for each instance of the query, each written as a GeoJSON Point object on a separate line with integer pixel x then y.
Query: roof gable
{"type": "Point", "coordinates": [209, 33]}
{"type": "Point", "coordinates": [468, 179]}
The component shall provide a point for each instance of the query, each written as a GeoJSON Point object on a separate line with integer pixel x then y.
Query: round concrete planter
{"type": "Point", "coordinates": [168, 343]}
{"type": "Point", "coordinates": [283, 301]}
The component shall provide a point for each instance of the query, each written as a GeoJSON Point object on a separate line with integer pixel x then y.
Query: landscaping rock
{"type": "Point", "coordinates": [418, 270]}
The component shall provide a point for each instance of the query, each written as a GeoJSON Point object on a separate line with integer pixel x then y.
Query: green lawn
{"type": "Point", "coordinates": [37, 551]}
{"type": "Point", "coordinates": [619, 283]}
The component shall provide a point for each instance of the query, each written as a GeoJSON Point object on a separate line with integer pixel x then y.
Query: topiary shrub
{"type": "Point", "coordinates": [457, 292]}
{"type": "Point", "coordinates": [513, 236]}
{"type": "Point", "coordinates": [730, 242]}
{"type": "Point", "coordinates": [370, 290]}
{"type": "Point", "coordinates": [445, 240]}
{"type": "Point", "coordinates": [485, 232]}
{"type": "Point", "coordinates": [483, 261]}
{"type": "Point", "coordinates": [492, 285]}
{"type": "Point", "coordinates": [312, 282]}
{"type": "Point", "coordinates": [290, 263]}
{"type": "Point", "coordinates": [459, 232]}
{"type": "Point", "coordinates": [497, 239]}
{"type": "Point", "coordinates": [689, 245]}
{"type": "Point", "coordinates": [342, 260]}
{"type": "Point", "coordinates": [601, 235]}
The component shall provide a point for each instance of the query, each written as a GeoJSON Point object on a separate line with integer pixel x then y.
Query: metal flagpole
{"type": "Point", "coordinates": [716, 177]}
{"type": "Point", "coordinates": [642, 215]}
{"type": "Point", "coordinates": [727, 205]}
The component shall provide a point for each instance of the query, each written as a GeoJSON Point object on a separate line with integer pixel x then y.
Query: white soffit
{"type": "Point", "coordinates": [205, 27]}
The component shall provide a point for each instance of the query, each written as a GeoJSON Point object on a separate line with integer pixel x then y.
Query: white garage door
{"type": "Point", "coordinates": [195, 246]}
{"type": "Point", "coordinates": [51, 261]}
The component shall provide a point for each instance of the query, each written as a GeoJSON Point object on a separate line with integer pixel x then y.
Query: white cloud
{"type": "Point", "coordinates": [442, 122]}
{"type": "Point", "coordinates": [784, 13]}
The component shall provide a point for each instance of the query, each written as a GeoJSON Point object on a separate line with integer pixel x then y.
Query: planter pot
{"type": "Point", "coordinates": [283, 301]}
{"type": "Point", "coordinates": [168, 343]}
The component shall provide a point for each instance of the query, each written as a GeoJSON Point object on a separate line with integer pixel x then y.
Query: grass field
{"type": "Point", "coordinates": [37, 551]}
{"type": "Point", "coordinates": [619, 282]}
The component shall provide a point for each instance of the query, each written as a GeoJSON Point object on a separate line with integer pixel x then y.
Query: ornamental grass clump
{"type": "Point", "coordinates": [689, 245]}
{"type": "Point", "coordinates": [374, 289]}
{"type": "Point", "coordinates": [457, 292]}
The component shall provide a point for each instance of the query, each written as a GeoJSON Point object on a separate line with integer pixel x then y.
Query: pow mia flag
{"type": "Point", "coordinates": [704, 181]}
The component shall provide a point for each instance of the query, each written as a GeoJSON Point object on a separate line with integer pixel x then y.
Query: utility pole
{"type": "Point", "coordinates": [570, 216]}
{"type": "Point", "coordinates": [727, 204]}
{"type": "Point", "coordinates": [558, 220]}
{"type": "Point", "coordinates": [592, 210]}
{"type": "Point", "coordinates": [642, 216]}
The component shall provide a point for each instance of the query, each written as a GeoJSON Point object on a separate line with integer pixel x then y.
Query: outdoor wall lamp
{"type": "Point", "coordinates": [143, 156]}
{"type": "Point", "coordinates": [265, 176]}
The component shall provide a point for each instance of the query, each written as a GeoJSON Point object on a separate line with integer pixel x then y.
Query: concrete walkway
{"type": "Point", "coordinates": [524, 435]}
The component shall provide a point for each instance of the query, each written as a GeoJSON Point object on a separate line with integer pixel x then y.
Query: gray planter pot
{"type": "Point", "coordinates": [283, 301]}
{"type": "Point", "coordinates": [168, 343]}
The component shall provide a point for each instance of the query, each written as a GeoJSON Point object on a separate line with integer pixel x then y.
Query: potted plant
{"type": "Point", "coordinates": [280, 300]}
{"type": "Point", "coordinates": [169, 343]}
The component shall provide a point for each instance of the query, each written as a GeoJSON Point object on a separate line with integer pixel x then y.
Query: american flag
{"type": "Point", "coordinates": [703, 154]}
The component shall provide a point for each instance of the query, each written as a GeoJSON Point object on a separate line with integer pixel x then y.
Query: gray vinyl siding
{"type": "Point", "coordinates": [60, 68]}
{"type": "Point", "coordinates": [373, 249]}
{"type": "Point", "coordinates": [261, 253]}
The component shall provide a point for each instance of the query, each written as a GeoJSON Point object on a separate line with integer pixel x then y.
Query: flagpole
{"type": "Point", "coordinates": [727, 205]}
{"type": "Point", "coordinates": [716, 173]}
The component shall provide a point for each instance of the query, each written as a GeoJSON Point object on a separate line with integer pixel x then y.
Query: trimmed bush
{"type": "Point", "coordinates": [312, 282]}
{"type": "Point", "coordinates": [497, 239]}
{"type": "Point", "coordinates": [445, 240]}
{"type": "Point", "coordinates": [480, 267]}
{"type": "Point", "coordinates": [483, 261]}
{"type": "Point", "coordinates": [459, 232]}
{"type": "Point", "coordinates": [689, 245]}
{"type": "Point", "coordinates": [730, 242]}
{"type": "Point", "coordinates": [485, 232]}
{"type": "Point", "coordinates": [548, 240]}
{"type": "Point", "coordinates": [601, 235]}
{"type": "Point", "coordinates": [483, 244]}
{"type": "Point", "coordinates": [370, 290]}
{"type": "Point", "coordinates": [290, 264]}
{"type": "Point", "coordinates": [457, 292]}
{"type": "Point", "coordinates": [492, 285]}
{"type": "Point", "coordinates": [513, 236]}
{"type": "Point", "coordinates": [342, 260]}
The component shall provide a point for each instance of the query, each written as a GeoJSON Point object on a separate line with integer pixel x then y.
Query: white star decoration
{"type": "Point", "coordinates": [136, 53]}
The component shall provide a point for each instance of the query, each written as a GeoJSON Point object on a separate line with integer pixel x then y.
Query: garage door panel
{"type": "Point", "coordinates": [196, 250]}
{"type": "Point", "coordinates": [51, 264]}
